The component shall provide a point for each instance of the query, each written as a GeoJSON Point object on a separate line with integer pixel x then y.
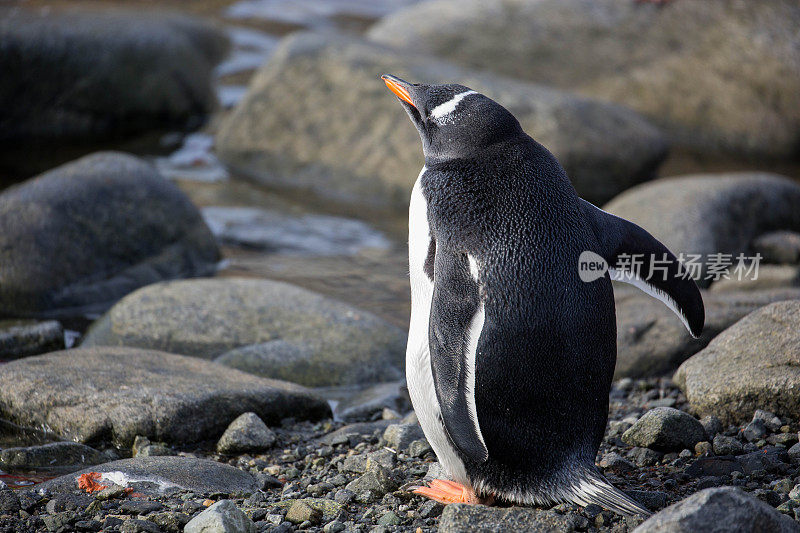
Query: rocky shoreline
{"type": "Point", "coordinates": [214, 340]}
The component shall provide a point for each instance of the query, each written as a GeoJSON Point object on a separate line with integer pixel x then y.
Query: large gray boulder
{"type": "Point", "coordinates": [155, 475]}
{"type": "Point", "coordinates": [81, 236]}
{"type": "Point", "coordinates": [317, 341]}
{"type": "Point", "coordinates": [651, 340]}
{"type": "Point", "coordinates": [712, 213]}
{"type": "Point", "coordinates": [722, 509]}
{"type": "Point", "coordinates": [754, 364]}
{"type": "Point", "coordinates": [114, 394]}
{"type": "Point", "coordinates": [81, 74]}
{"type": "Point", "coordinates": [317, 117]}
{"type": "Point", "coordinates": [718, 75]}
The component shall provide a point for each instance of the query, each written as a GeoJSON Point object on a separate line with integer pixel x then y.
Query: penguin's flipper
{"type": "Point", "coordinates": [650, 266]}
{"type": "Point", "coordinates": [456, 322]}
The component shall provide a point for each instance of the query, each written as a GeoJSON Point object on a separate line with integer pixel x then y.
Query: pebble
{"type": "Point", "coordinates": [222, 517]}
{"type": "Point", "coordinates": [755, 430]}
{"type": "Point", "coordinates": [248, 433]}
{"type": "Point", "coordinates": [724, 445]}
{"type": "Point", "coordinates": [665, 429]}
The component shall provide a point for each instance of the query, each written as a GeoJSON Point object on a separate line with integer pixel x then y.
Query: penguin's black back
{"type": "Point", "coordinates": [547, 350]}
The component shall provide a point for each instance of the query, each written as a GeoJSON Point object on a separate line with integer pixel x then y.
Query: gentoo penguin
{"type": "Point", "coordinates": [510, 354]}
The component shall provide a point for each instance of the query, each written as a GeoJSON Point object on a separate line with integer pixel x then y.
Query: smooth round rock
{"type": "Point", "coordinates": [665, 429]}
{"type": "Point", "coordinates": [316, 117]}
{"type": "Point", "coordinates": [154, 475]}
{"type": "Point", "coordinates": [710, 214]}
{"type": "Point", "coordinates": [754, 364]}
{"type": "Point", "coordinates": [714, 75]}
{"type": "Point", "coordinates": [80, 74]}
{"type": "Point", "coordinates": [718, 509]}
{"type": "Point", "coordinates": [79, 237]}
{"type": "Point", "coordinates": [114, 394]}
{"type": "Point", "coordinates": [338, 344]}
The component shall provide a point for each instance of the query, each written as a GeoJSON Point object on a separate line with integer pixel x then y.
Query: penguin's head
{"type": "Point", "coordinates": [453, 121]}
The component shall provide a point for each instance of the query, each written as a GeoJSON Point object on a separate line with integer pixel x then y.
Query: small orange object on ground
{"type": "Point", "coordinates": [88, 482]}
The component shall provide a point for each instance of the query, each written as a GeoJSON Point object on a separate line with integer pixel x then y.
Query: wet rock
{"type": "Point", "coordinates": [154, 475]}
{"type": "Point", "coordinates": [341, 345]}
{"type": "Point", "coordinates": [21, 338]}
{"type": "Point", "coordinates": [103, 72]}
{"type": "Point", "coordinates": [222, 517]}
{"type": "Point", "coordinates": [779, 247]}
{"type": "Point", "coordinates": [724, 445]}
{"type": "Point", "coordinates": [248, 433]}
{"type": "Point", "coordinates": [464, 518]}
{"type": "Point", "coordinates": [278, 232]}
{"type": "Point", "coordinates": [400, 436]}
{"type": "Point", "coordinates": [711, 213]}
{"type": "Point", "coordinates": [713, 508]}
{"type": "Point", "coordinates": [108, 393]}
{"type": "Point", "coordinates": [596, 49]}
{"type": "Point", "coordinates": [82, 235]}
{"type": "Point", "coordinates": [295, 127]}
{"type": "Point", "coordinates": [752, 365]}
{"type": "Point", "coordinates": [665, 429]}
{"type": "Point", "coordinates": [66, 455]}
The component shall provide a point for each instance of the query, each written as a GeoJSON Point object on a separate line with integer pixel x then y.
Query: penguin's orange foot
{"type": "Point", "coordinates": [445, 491]}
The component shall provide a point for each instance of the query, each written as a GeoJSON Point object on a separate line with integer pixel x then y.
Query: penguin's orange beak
{"type": "Point", "coordinates": [400, 91]}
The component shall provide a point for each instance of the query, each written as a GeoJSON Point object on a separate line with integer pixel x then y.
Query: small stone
{"type": "Point", "coordinates": [248, 433]}
{"type": "Point", "coordinates": [344, 496]}
{"type": "Point", "coordinates": [9, 502]}
{"type": "Point", "coordinates": [653, 500]}
{"type": "Point", "coordinates": [616, 463]}
{"type": "Point", "coordinates": [170, 521]}
{"type": "Point", "coordinates": [430, 509]}
{"type": "Point", "coordinates": [140, 507]}
{"type": "Point", "coordinates": [376, 482]}
{"type": "Point", "coordinates": [139, 526]}
{"type": "Point", "coordinates": [334, 526]}
{"type": "Point", "coordinates": [88, 525]}
{"type": "Point", "coordinates": [712, 425]}
{"type": "Point", "coordinates": [703, 448]}
{"type": "Point", "coordinates": [301, 512]}
{"type": "Point", "coordinates": [794, 494]}
{"type": "Point", "coordinates": [389, 414]}
{"type": "Point", "coordinates": [724, 445]}
{"type": "Point", "coordinates": [783, 486]}
{"type": "Point", "coordinates": [755, 430]}
{"type": "Point", "coordinates": [222, 517]}
{"type": "Point", "coordinates": [794, 453]}
{"type": "Point", "coordinates": [419, 447]}
{"type": "Point", "coordinates": [783, 439]}
{"type": "Point", "coordinates": [645, 456]}
{"type": "Point", "coordinates": [400, 436]}
{"type": "Point", "coordinates": [772, 422]}
{"type": "Point", "coordinates": [389, 519]}
{"type": "Point", "coordinates": [665, 429]}
{"type": "Point", "coordinates": [383, 457]}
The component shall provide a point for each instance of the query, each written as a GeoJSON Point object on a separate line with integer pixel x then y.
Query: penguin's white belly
{"type": "Point", "coordinates": [419, 374]}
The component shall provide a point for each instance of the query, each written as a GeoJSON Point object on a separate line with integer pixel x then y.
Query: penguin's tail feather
{"type": "Point", "coordinates": [594, 488]}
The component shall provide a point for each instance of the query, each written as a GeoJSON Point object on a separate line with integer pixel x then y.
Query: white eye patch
{"type": "Point", "coordinates": [444, 109]}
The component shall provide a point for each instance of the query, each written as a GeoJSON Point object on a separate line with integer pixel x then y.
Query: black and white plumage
{"type": "Point", "coordinates": [510, 355]}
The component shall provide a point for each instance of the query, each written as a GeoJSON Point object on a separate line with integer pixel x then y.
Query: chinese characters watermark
{"type": "Point", "coordinates": [711, 267]}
